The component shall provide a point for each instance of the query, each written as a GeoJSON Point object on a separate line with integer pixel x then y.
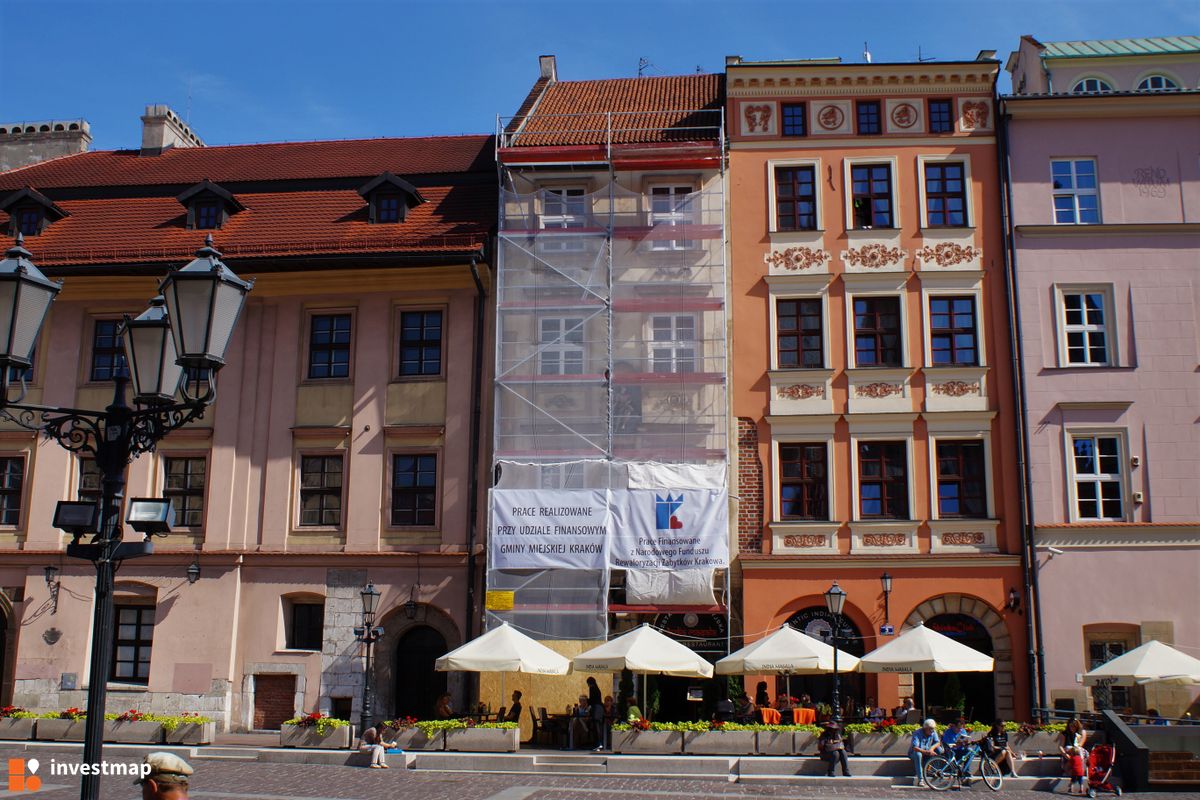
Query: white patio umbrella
{"type": "Point", "coordinates": [645, 651]}
{"type": "Point", "coordinates": [1153, 662]}
{"type": "Point", "coordinates": [922, 650]}
{"type": "Point", "coordinates": [504, 649]}
{"type": "Point", "coordinates": [786, 652]}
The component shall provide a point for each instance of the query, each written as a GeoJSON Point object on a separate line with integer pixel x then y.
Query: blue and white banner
{"type": "Point", "coordinates": [669, 529]}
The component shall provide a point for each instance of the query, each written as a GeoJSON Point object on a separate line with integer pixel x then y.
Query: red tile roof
{"type": "Point", "coordinates": [639, 110]}
{"type": "Point", "coordinates": [259, 162]}
{"type": "Point", "coordinates": [112, 223]}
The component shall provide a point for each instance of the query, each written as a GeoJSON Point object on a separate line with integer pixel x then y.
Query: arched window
{"type": "Point", "coordinates": [1091, 85]}
{"type": "Point", "coordinates": [1156, 83]}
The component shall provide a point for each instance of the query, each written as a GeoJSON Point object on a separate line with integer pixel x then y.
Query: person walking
{"type": "Point", "coordinates": [595, 714]}
{"type": "Point", "coordinates": [164, 777]}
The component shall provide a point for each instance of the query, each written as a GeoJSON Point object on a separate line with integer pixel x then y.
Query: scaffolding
{"type": "Point", "coordinates": [611, 338]}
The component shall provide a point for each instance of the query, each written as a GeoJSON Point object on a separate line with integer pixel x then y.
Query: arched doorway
{"type": "Point", "coordinates": [417, 684]}
{"type": "Point", "coordinates": [817, 622]}
{"type": "Point", "coordinates": [977, 690]}
{"type": "Point", "coordinates": [969, 620]}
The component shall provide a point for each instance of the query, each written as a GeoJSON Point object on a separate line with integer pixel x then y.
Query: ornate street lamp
{"type": "Point", "coordinates": [207, 298]}
{"type": "Point", "coordinates": [368, 634]}
{"type": "Point", "coordinates": [835, 601]}
{"type": "Point", "coordinates": [25, 297]}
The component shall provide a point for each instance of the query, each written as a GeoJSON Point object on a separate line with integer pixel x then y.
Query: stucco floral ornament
{"type": "Point", "coordinates": [797, 258]}
{"type": "Point", "coordinates": [948, 254]}
{"type": "Point", "coordinates": [878, 390]}
{"type": "Point", "coordinates": [801, 391]}
{"type": "Point", "coordinates": [955, 388]}
{"type": "Point", "coordinates": [874, 256]}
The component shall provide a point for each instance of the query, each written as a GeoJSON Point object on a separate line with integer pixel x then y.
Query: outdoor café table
{"type": "Point", "coordinates": [771, 716]}
{"type": "Point", "coordinates": [804, 716]}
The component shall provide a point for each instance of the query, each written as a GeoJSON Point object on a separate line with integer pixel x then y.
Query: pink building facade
{"type": "Point", "coordinates": [343, 447]}
{"type": "Point", "coordinates": [1105, 232]}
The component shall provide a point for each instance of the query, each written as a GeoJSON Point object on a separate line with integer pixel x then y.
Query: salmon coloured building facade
{"type": "Point", "coordinates": [871, 370]}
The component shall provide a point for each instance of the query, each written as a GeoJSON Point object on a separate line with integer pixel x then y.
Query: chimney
{"type": "Point", "coordinates": [732, 61]}
{"type": "Point", "coordinates": [162, 129]}
{"type": "Point", "coordinates": [25, 143]}
{"type": "Point", "coordinates": [549, 65]}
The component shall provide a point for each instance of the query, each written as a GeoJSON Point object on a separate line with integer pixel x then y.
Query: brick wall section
{"type": "Point", "coordinates": [750, 488]}
{"type": "Point", "coordinates": [274, 696]}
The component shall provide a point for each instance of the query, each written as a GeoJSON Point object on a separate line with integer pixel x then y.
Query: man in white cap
{"type": "Point", "coordinates": [924, 745]}
{"type": "Point", "coordinates": [166, 778]}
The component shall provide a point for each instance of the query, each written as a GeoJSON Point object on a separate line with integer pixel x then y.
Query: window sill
{"type": "Point", "coordinates": [1087, 367]}
{"type": "Point", "coordinates": [928, 229]}
{"type": "Point", "coordinates": [327, 381]}
{"type": "Point", "coordinates": [294, 651]}
{"type": "Point", "coordinates": [316, 530]}
{"type": "Point", "coordinates": [418, 378]}
{"type": "Point", "coordinates": [137, 688]}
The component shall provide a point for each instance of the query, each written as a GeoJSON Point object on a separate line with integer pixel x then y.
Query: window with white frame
{"type": "Point", "coordinates": [945, 194]}
{"type": "Point", "coordinates": [803, 481]}
{"type": "Point", "coordinates": [560, 346]}
{"type": "Point", "coordinates": [1156, 83]}
{"type": "Point", "coordinates": [953, 336]}
{"type": "Point", "coordinates": [671, 207]}
{"type": "Point", "coordinates": [563, 208]}
{"type": "Point", "coordinates": [1091, 85]}
{"type": "Point", "coordinates": [1097, 475]}
{"type": "Point", "coordinates": [672, 343]}
{"type": "Point", "coordinates": [799, 335]}
{"type": "Point", "coordinates": [883, 480]}
{"type": "Point", "coordinates": [796, 198]}
{"type": "Point", "coordinates": [1085, 333]}
{"type": "Point", "coordinates": [1076, 200]}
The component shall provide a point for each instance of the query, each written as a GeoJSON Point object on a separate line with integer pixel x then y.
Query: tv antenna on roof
{"type": "Point", "coordinates": [643, 65]}
{"type": "Point", "coordinates": [922, 59]}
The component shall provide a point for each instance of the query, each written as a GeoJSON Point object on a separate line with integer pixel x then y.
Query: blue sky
{"type": "Point", "coordinates": [273, 70]}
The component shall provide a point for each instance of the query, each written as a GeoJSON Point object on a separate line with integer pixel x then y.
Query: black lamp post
{"type": "Point", "coordinates": [203, 301]}
{"type": "Point", "coordinates": [886, 580]}
{"type": "Point", "coordinates": [368, 634]}
{"type": "Point", "coordinates": [835, 600]}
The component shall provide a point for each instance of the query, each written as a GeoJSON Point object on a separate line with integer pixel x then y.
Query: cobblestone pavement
{"type": "Point", "coordinates": [225, 780]}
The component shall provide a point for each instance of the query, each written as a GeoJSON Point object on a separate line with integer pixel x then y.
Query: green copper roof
{"type": "Point", "coordinates": [1093, 48]}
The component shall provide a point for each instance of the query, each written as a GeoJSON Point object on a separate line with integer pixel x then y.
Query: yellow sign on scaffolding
{"type": "Point", "coordinates": [499, 601]}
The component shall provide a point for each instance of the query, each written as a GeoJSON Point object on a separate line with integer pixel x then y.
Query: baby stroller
{"type": "Point", "coordinates": [1100, 770]}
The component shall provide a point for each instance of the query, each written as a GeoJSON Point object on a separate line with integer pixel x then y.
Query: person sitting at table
{"type": "Point", "coordinates": [743, 711]}
{"type": "Point", "coordinates": [635, 713]}
{"type": "Point", "coordinates": [807, 702]}
{"type": "Point", "coordinates": [610, 709]}
{"type": "Point", "coordinates": [443, 710]}
{"type": "Point", "coordinates": [514, 711]}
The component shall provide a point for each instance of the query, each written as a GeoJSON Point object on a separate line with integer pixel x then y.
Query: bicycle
{"type": "Point", "coordinates": [941, 772]}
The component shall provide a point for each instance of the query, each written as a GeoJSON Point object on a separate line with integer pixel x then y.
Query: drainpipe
{"type": "Point", "coordinates": [473, 458]}
{"type": "Point", "coordinates": [1033, 607]}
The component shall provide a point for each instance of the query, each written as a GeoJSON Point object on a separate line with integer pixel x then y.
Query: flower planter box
{"type": "Point", "coordinates": [60, 730]}
{"type": "Point", "coordinates": [415, 739]}
{"type": "Point", "coordinates": [1039, 742]}
{"type": "Point", "coordinates": [133, 732]}
{"type": "Point", "coordinates": [310, 738]}
{"type": "Point", "coordinates": [484, 740]}
{"type": "Point", "coordinates": [192, 733]}
{"type": "Point", "coordinates": [804, 742]}
{"type": "Point", "coordinates": [773, 743]}
{"type": "Point", "coordinates": [719, 743]}
{"type": "Point", "coordinates": [16, 728]}
{"type": "Point", "coordinates": [634, 741]}
{"type": "Point", "coordinates": [879, 744]}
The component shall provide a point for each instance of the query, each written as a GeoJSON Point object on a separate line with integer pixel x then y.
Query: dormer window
{"type": "Point", "coordinates": [208, 215]}
{"type": "Point", "coordinates": [389, 198]}
{"type": "Point", "coordinates": [208, 205]}
{"type": "Point", "coordinates": [29, 212]}
{"type": "Point", "coordinates": [387, 208]}
{"type": "Point", "coordinates": [29, 221]}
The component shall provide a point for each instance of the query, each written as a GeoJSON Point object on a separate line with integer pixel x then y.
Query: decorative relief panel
{"type": "Point", "coordinates": [831, 117]}
{"type": "Point", "coordinates": [905, 116]}
{"type": "Point", "coordinates": [801, 392]}
{"type": "Point", "coordinates": [963, 535]}
{"type": "Point", "coordinates": [806, 538]}
{"type": "Point", "coordinates": [874, 251]}
{"type": "Point", "coordinates": [947, 254]}
{"type": "Point", "coordinates": [878, 391]}
{"type": "Point", "coordinates": [797, 259]}
{"type": "Point", "coordinates": [948, 250]}
{"type": "Point", "coordinates": [759, 119]}
{"type": "Point", "coordinates": [883, 537]}
{"type": "Point", "coordinates": [975, 114]}
{"type": "Point", "coordinates": [955, 388]}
